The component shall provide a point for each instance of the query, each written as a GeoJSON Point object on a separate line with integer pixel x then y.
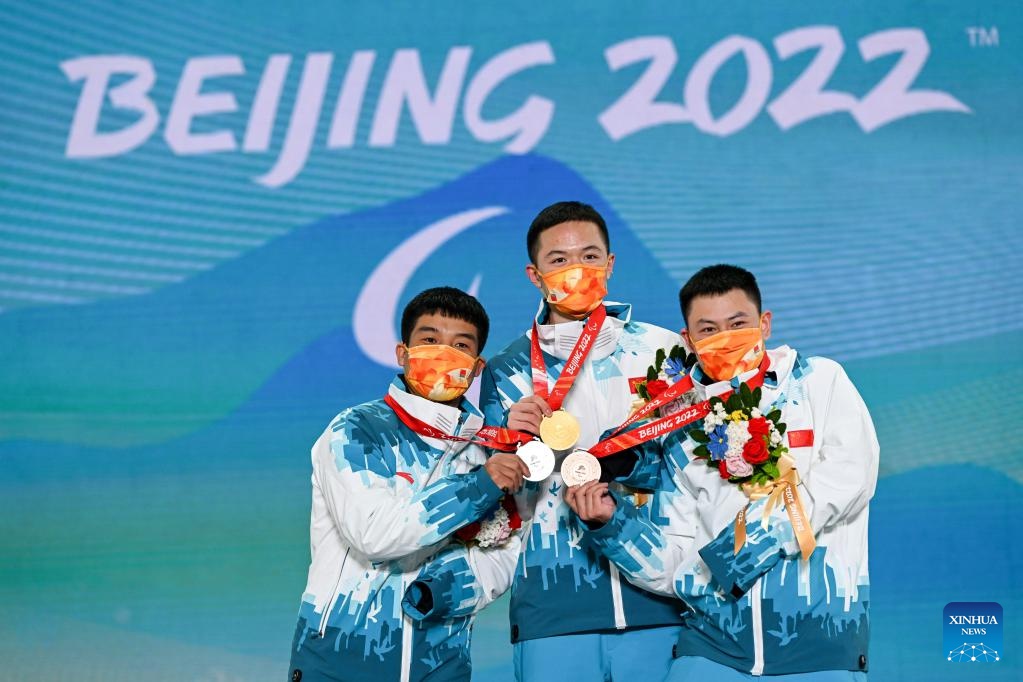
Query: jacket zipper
{"type": "Point", "coordinates": [406, 640]}
{"type": "Point", "coordinates": [616, 598]}
{"type": "Point", "coordinates": [334, 596]}
{"type": "Point", "coordinates": [616, 584]}
{"type": "Point", "coordinates": [758, 631]}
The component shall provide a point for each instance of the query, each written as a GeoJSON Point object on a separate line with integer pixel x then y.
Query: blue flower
{"type": "Point", "coordinates": [718, 444]}
{"type": "Point", "coordinates": [674, 368]}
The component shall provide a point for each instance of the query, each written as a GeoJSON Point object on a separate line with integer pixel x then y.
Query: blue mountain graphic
{"type": "Point", "coordinates": [270, 332]}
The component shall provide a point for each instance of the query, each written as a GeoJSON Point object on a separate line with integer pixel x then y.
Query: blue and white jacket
{"type": "Point", "coordinates": [385, 502]}
{"type": "Point", "coordinates": [764, 611]}
{"type": "Point", "coordinates": [561, 586]}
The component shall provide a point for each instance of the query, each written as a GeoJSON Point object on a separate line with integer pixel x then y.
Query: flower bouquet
{"type": "Point", "coordinates": [741, 442]}
{"type": "Point", "coordinates": [668, 368]}
{"type": "Point", "coordinates": [494, 529]}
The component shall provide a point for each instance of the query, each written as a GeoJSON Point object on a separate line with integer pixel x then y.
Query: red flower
{"type": "Point", "coordinates": [723, 470]}
{"type": "Point", "coordinates": [656, 387]}
{"type": "Point", "coordinates": [514, 520]}
{"type": "Point", "coordinates": [755, 451]}
{"type": "Point", "coordinates": [468, 533]}
{"type": "Point", "coordinates": [758, 427]}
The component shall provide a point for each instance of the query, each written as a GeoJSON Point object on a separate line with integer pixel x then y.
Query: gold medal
{"type": "Point", "coordinates": [560, 430]}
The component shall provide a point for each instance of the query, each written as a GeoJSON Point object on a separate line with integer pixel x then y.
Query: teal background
{"type": "Point", "coordinates": [174, 335]}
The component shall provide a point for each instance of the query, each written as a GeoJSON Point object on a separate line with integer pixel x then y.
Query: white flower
{"type": "Point", "coordinates": [738, 435]}
{"type": "Point", "coordinates": [754, 413]}
{"type": "Point", "coordinates": [495, 529]}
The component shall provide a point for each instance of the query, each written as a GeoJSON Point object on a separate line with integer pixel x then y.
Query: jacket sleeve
{"type": "Point", "coordinates": [378, 512]}
{"type": "Point", "coordinates": [841, 480]}
{"type": "Point", "coordinates": [649, 548]}
{"type": "Point", "coordinates": [837, 485]}
{"type": "Point", "coordinates": [641, 466]}
{"type": "Point", "coordinates": [461, 580]}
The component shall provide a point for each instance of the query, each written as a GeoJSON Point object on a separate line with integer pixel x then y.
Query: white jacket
{"type": "Point", "coordinates": [764, 611]}
{"type": "Point", "coordinates": [561, 586]}
{"type": "Point", "coordinates": [385, 503]}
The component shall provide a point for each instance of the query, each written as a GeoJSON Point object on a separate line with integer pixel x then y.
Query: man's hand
{"type": "Point", "coordinates": [591, 502]}
{"type": "Point", "coordinates": [506, 470]}
{"type": "Point", "coordinates": [526, 414]}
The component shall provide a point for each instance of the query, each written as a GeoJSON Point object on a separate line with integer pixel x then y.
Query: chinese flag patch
{"type": "Point", "coordinates": [800, 438]}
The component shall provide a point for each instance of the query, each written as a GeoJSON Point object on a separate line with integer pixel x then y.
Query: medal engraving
{"type": "Point", "coordinates": [560, 430]}
{"type": "Point", "coordinates": [539, 458]}
{"type": "Point", "coordinates": [580, 467]}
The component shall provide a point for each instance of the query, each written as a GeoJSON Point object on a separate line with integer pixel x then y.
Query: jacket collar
{"type": "Point", "coordinates": [559, 339]}
{"type": "Point", "coordinates": [782, 360]}
{"type": "Point", "coordinates": [464, 420]}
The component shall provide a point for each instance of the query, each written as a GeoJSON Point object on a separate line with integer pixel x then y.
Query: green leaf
{"type": "Point", "coordinates": [651, 374]}
{"type": "Point", "coordinates": [745, 394]}
{"type": "Point", "coordinates": [771, 469]}
{"type": "Point", "coordinates": [659, 358]}
{"type": "Point", "coordinates": [774, 415]}
{"type": "Point", "coordinates": [641, 390]}
{"type": "Point", "coordinates": [676, 353]}
{"type": "Point", "coordinates": [781, 428]}
{"type": "Point", "coordinates": [715, 401]}
{"type": "Point", "coordinates": [757, 396]}
{"type": "Point", "coordinates": [699, 436]}
{"type": "Point", "coordinates": [733, 403]}
{"type": "Point", "coordinates": [701, 451]}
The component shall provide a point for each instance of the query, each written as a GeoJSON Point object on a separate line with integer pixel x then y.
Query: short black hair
{"type": "Point", "coordinates": [450, 302]}
{"type": "Point", "coordinates": [717, 280]}
{"type": "Point", "coordinates": [563, 212]}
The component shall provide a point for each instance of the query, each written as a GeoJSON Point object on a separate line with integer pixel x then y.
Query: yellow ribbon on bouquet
{"type": "Point", "coordinates": [781, 490]}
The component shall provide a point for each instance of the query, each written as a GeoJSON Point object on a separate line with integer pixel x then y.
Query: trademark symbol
{"type": "Point", "coordinates": [981, 36]}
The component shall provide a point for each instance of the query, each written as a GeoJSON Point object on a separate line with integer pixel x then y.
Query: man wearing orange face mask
{"type": "Point", "coordinates": [767, 542]}
{"type": "Point", "coordinates": [567, 380]}
{"type": "Point", "coordinates": [393, 480]}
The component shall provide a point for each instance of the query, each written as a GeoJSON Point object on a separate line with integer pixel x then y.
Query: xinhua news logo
{"type": "Point", "coordinates": [973, 632]}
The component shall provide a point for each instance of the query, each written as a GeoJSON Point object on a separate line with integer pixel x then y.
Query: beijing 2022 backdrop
{"type": "Point", "coordinates": [212, 213]}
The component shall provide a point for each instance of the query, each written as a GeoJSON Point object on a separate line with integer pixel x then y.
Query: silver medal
{"type": "Point", "coordinates": [539, 458]}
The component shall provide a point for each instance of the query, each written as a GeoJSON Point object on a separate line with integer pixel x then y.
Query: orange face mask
{"type": "Point", "coordinates": [576, 290]}
{"type": "Point", "coordinates": [437, 372]}
{"type": "Point", "coordinates": [730, 353]}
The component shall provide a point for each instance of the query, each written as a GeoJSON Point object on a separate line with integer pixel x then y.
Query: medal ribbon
{"type": "Point", "coordinates": [781, 490]}
{"type": "Point", "coordinates": [619, 441]}
{"type": "Point", "coordinates": [573, 365]}
{"type": "Point", "coordinates": [494, 437]}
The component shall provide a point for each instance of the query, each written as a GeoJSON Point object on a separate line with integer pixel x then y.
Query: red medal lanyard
{"type": "Point", "coordinates": [619, 441]}
{"type": "Point", "coordinates": [494, 437]}
{"type": "Point", "coordinates": [574, 364]}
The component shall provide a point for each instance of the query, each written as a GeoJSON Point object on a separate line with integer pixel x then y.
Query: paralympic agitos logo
{"type": "Point", "coordinates": [118, 88]}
